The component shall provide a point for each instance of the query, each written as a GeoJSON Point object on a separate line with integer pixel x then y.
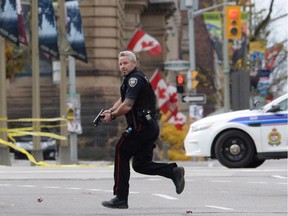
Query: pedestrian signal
{"type": "Point", "coordinates": [233, 22]}
{"type": "Point", "coordinates": [180, 83]}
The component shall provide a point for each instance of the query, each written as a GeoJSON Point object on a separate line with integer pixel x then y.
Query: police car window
{"type": "Point", "coordinates": [283, 105]}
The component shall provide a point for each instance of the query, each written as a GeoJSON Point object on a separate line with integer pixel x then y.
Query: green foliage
{"type": "Point", "coordinates": [174, 138]}
{"type": "Point", "coordinates": [15, 59]}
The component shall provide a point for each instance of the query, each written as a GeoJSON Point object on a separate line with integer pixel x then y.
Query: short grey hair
{"type": "Point", "coordinates": [130, 54]}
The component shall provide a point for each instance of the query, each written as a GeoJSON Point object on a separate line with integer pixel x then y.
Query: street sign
{"type": "Point", "coordinates": [194, 98]}
{"type": "Point", "coordinates": [176, 65]}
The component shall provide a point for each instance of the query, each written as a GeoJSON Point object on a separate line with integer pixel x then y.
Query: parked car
{"type": "Point", "coordinates": [242, 139]}
{"type": "Point", "coordinates": [48, 145]}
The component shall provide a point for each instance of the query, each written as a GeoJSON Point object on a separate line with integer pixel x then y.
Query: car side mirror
{"type": "Point", "coordinates": [257, 105]}
{"type": "Point", "coordinates": [274, 108]}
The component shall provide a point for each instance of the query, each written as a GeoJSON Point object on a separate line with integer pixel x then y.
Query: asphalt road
{"type": "Point", "coordinates": [211, 190]}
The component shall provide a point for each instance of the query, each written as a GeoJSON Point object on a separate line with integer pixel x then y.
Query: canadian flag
{"type": "Point", "coordinates": [160, 87]}
{"type": "Point", "coordinates": [167, 100]}
{"type": "Point", "coordinates": [173, 100]}
{"type": "Point", "coordinates": [178, 120]}
{"type": "Point", "coordinates": [142, 41]}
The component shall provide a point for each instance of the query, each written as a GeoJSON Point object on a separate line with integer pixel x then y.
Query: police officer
{"type": "Point", "coordinates": [138, 104]}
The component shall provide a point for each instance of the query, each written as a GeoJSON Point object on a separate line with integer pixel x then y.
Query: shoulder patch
{"type": "Point", "coordinates": [132, 81]}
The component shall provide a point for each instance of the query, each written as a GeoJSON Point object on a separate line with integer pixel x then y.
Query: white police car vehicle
{"type": "Point", "coordinates": [242, 139]}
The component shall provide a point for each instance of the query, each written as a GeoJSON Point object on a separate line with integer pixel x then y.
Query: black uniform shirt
{"type": "Point", "coordinates": [132, 85]}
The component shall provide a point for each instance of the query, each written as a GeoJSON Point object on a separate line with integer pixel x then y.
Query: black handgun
{"type": "Point", "coordinates": [98, 118]}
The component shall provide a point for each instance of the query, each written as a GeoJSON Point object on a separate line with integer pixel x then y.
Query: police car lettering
{"type": "Point", "coordinates": [132, 81]}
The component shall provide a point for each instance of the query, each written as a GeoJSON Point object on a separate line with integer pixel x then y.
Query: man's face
{"type": "Point", "coordinates": [126, 65]}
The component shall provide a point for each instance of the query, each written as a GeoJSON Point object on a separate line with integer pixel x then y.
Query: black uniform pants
{"type": "Point", "coordinates": [139, 145]}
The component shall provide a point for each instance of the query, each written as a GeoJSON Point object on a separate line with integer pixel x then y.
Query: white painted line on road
{"type": "Point", "coordinates": [5, 185]}
{"type": "Point", "coordinates": [220, 181]}
{"type": "Point", "coordinates": [94, 189]}
{"type": "Point", "coordinates": [220, 207]}
{"type": "Point", "coordinates": [153, 179]}
{"type": "Point", "coordinates": [28, 186]}
{"type": "Point", "coordinates": [278, 176]}
{"type": "Point", "coordinates": [51, 187]}
{"type": "Point", "coordinates": [74, 188]}
{"type": "Point", "coordinates": [165, 196]}
{"type": "Point", "coordinates": [285, 183]}
{"type": "Point", "coordinates": [265, 170]}
{"type": "Point", "coordinates": [257, 182]}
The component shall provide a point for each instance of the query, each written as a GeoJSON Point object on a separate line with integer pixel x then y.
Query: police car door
{"type": "Point", "coordinates": [274, 128]}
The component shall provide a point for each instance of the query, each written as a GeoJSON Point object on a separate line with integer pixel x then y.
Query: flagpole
{"type": "Point", "coordinates": [4, 150]}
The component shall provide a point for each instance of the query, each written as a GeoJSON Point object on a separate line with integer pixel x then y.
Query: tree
{"type": "Point", "coordinates": [278, 73]}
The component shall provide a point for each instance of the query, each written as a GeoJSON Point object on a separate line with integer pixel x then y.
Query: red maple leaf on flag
{"type": "Point", "coordinates": [173, 98]}
{"type": "Point", "coordinates": [142, 41]}
{"type": "Point", "coordinates": [147, 44]}
{"type": "Point", "coordinates": [161, 92]}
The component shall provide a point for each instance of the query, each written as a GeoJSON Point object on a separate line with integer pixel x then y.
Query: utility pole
{"type": "Point", "coordinates": [64, 150]}
{"type": "Point", "coordinates": [226, 68]}
{"type": "Point", "coordinates": [72, 93]}
{"type": "Point", "coordinates": [37, 151]}
{"type": "Point", "coordinates": [192, 15]}
{"type": "Point", "coordinates": [4, 150]}
{"type": "Point", "coordinates": [191, 6]}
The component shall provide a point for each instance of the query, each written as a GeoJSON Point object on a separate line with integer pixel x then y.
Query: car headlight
{"type": "Point", "coordinates": [48, 143]}
{"type": "Point", "coordinates": [203, 126]}
{"type": "Point", "coordinates": [51, 142]}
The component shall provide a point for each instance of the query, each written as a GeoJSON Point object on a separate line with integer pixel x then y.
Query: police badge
{"type": "Point", "coordinates": [132, 81]}
{"type": "Point", "coordinates": [274, 137]}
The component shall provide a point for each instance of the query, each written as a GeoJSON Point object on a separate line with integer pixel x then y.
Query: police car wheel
{"type": "Point", "coordinates": [234, 149]}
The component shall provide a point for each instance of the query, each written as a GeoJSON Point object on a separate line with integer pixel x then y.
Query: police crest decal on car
{"type": "Point", "coordinates": [274, 137]}
{"type": "Point", "coordinates": [132, 81]}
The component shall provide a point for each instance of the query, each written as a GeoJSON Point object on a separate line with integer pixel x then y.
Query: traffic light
{"type": "Point", "coordinates": [233, 22]}
{"type": "Point", "coordinates": [180, 80]}
{"type": "Point", "coordinates": [195, 82]}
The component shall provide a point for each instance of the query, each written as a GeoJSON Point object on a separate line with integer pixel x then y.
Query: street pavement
{"type": "Point", "coordinates": [211, 190]}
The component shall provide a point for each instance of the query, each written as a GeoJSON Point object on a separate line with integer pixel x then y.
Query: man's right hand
{"type": "Point", "coordinates": [107, 117]}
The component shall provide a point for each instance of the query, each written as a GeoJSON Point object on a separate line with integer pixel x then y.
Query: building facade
{"type": "Point", "coordinates": [108, 26]}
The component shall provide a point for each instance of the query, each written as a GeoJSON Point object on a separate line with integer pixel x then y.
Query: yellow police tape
{"type": "Point", "coordinates": [29, 156]}
{"type": "Point", "coordinates": [40, 163]}
{"type": "Point", "coordinates": [25, 131]}
{"type": "Point", "coordinates": [35, 120]}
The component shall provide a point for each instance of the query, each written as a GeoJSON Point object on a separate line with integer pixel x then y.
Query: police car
{"type": "Point", "coordinates": [242, 139]}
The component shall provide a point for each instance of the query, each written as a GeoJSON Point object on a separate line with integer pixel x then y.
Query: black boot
{"type": "Point", "coordinates": [178, 179]}
{"type": "Point", "coordinates": [116, 202]}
